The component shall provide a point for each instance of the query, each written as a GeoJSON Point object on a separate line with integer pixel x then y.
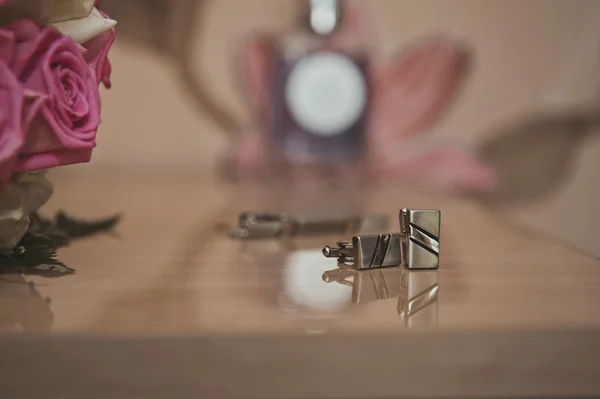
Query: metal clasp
{"type": "Point", "coordinates": [367, 251]}
{"type": "Point", "coordinates": [254, 225]}
{"type": "Point", "coordinates": [262, 225]}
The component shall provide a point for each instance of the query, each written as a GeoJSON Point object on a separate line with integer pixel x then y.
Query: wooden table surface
{"type": "Point", "coordinates": [173, 307]}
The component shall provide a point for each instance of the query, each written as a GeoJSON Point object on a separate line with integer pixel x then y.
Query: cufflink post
{"type": "Point", "coordinates": [367, 251]}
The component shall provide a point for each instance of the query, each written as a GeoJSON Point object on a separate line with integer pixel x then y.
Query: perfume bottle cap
{"type": "Point", "coordinates": [324, 16]}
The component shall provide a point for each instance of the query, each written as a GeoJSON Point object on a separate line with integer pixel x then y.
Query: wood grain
{"type": "Point", "coordinates": [172, 304]}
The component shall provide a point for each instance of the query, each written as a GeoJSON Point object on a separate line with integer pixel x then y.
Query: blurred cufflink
{"type": "Point", "coordinates": [367, 251]}
{"type": "Point", "coordinates": [420, 242]}
{"type": "Point", "coordinates": [258, 225]}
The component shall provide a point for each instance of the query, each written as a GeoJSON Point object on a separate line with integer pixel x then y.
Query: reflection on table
{"type": "Point", "coordinates": [417, 291]}
{"type": "Point", "coordinates": [22, 307]}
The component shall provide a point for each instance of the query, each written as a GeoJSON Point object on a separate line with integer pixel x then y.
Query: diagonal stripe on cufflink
{"type": "Point", "coordinates": [420, 231]}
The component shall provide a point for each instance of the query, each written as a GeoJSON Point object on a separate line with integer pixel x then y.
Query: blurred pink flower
{"type": "Point", "coordinates": [410, 93]}
{"type": "Point", "coordinates": [53, 66]}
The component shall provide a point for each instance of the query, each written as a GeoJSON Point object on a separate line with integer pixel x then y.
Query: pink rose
{"type": "Point", "coordinates": [97, 54]}
{"type": "Point", "coordinates": [11, 136]}
{"type": "Point", "coordinates": [53, 65]}
{"type": "Point", "coordinates": [16, 110]}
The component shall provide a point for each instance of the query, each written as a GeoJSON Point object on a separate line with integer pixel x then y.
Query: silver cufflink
{"type": "Point", "coordinates": [417, 246]}
{"type": "Point", "coordinates": [367, 251]}
{"type": "Point", "coordinates": [420, 231]}
{"type": "Point", "coordinates": [262, 225]}
{"type": "Point", "coordinates": [253, 225]}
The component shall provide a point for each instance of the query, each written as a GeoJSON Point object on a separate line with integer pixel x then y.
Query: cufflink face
{"type": "Point", "coordinates": [420, 231]}
{"type": "Point", "coordinates": [368, 251]}
{"type": "Point", "coordinates": [374, 251]}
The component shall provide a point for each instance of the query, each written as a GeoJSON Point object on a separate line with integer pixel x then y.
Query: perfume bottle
{"type": "Point", "coordinates": [320, 90]}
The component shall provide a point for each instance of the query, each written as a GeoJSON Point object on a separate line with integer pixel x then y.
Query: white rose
{"type": "Point", "coordinates": [45, 11]}
{"type": "Point", "coordinates": [83, 29]}
{"type": "Point", "coordinates": [25, 194]}
{"type": "Point", "coordinates": [75, 18]}
{"type": "Point", "coordinates": [63, 10]}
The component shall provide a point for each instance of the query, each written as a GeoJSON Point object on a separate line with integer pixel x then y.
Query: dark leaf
{"type": "Point", "coordinates": [74, 228]}
{"type": "Point", "coordinates": [36, 253]}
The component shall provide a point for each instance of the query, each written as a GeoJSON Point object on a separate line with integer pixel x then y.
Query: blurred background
{"type": "Point", "coordinates": [527, 106]}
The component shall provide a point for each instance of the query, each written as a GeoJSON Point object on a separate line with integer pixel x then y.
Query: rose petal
{"type": "Point", "coordinates": [63, 10]}
{"type": "Point", "coordinates": [14, 217]}
{"type": "Point", "coordinates": [37, 189]}
{"type": "Point", "coordinates": [257, 60]}
{"type": "Point", "coordinates": [51, 159]}
{"type": "Point", "coordinates": [11, 129]}
{"type": "Point", "coordinates": [247, 160]}
{"type": "Point", "coordinates": [438, 167]}
{"type": "Point", "coordinates": [25, 194]}
{"type": "Point", "coordinates": [7, 46]}
{"type": "Point", "coordinates": [33, 103]}
{"type": "Point", "coordinates": [414, 91]}
{"type": "Point", "coordinates": [84, 29]}
{"type": "Point", "coordinates": [97, 55]}
{"type": "Point", "coordinates": [356, 25]}
{"type": "Point", "coordinates": [52, 69]}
